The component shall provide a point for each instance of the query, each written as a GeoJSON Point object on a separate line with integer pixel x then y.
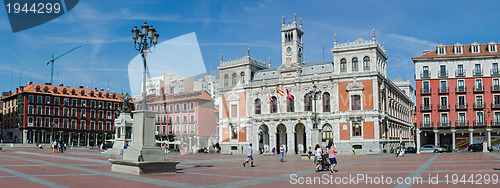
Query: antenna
{"type": "Point", "coordinates": [323, 53]}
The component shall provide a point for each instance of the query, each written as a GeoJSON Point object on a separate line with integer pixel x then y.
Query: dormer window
{"type": "Point", "coordinates": [492, 46]}
{"type": "Point", "coordinates": [474, 47]}
{"type": "Point", "coordinates": [459, 48]}
{"type": "Point", "coordinates": [441, 49]}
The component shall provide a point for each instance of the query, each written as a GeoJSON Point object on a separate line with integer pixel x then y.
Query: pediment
{"type": "Point", "coordinates": [233, 97]}
{"type": "Point", "coordinates": [355, 86]}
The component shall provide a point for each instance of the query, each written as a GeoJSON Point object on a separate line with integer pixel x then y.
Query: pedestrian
{"type": "Point", "coordinates": [61, 146]}
{"type": "Point", "coordinates": [72, 145]}
{"type": "Point", "coordinates": [317, 156]}
{"type": "Point", "coordinates": [333, 157]}
{"type": "Point", "coordinates": [282, 153]}
{"type": "Point", "coordinates": [125, 146]}
{"type": "Point", "coordinates": [101, 148]}
{"type": "Point", "coordinates": [249, 156]}
{"type": "Point", "coordinates": [353, 153]}
{"type": "Point", "coordinates": [309, 153]}
{"type": "Point", "coordinates": [397, 151]}
{"type": "Point", "coordinates": [402, 152]}
{"type": "Point", "coordinates": [274, 150]}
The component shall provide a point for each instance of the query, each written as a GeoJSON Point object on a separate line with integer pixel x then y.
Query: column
{"type": "Point", "coordinates": [25, 136]}
{"type": "Point", "coordinates": [471, 136]}
{"type": "Point", "coordinates": [453, 140]}
{"type": "Point", "coordinates": [60, 135]}
{"type": "Point", "coordinates": [43, 136]}
{"type": "Point", "coordinates": [95, 139]}
{"type": "Point", "coordinates": [34, 136]}
{"type": "Point", "coordinates": [51, 136]}
{"type": "Point", "coordinates": [88, 140]}
{"type": "Point", "coordinates": [436, 140]}
{"type": "Point", "coordinates": [291, 141]}
{"type": "Point", "coordinates": [70, 139]}
{"type": "Point", "coordinates": [489, 137]}
{"type": "Point", "coordinates": [418, 141]}
{"type": "Point", "coordinates": [78, 140]}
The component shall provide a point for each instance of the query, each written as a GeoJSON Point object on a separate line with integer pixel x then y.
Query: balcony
{"type": "Point", "coordinates": [461, 107]}
{"type": "Point", "coordinates": [495, 105]}
{"type": "Point", "coordinates": [443, 107]}
{"type": "Point", "coordinates": [495, 123]}
{"type": "Point", "coordinates": [461, 89]}
{"type": "Point", "coordinates": [426, 124]}
{"type": "Point", "coordinates": [459, 123]}
{"type": "Point", "coordinates": [442, 74]}
{"type": "Point", "coordinates": [443, 123]}
{"type": "Point", "coordinates": [459, 73]}
{"type": "Point", "coordinates": [443, 90]}
{"type": "Point", "coordinates": [495, 88]}
{"type": "Point", "coordinates": [478, 106]}
{"type": "Point", "coordinates": [494, 72]}
{"type": "Point", "coordinates": [478, 89]}
{"type": "Point", "coordinates": [426, 108]}
{"type": "Point", "coordinates": [425, 74]}
{"type": "Point", "coordinates": [425, 91]}
{"type": "Point", "coordinates": [479, 123]}
{"type": "Point", "coordinates": [477, 72]}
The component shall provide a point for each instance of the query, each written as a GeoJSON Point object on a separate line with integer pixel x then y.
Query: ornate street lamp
{"type": "Point", "coordinates": [142, 45]}
{"type": "Point", "coordinates": [315, 93]}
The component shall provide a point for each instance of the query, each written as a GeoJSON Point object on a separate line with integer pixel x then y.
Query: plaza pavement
{"type": "Point", "coordinates": [89, 168]}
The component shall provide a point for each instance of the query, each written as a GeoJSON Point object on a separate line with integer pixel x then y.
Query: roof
{"type": "Point", "coordinates": [317, 63]}
{"type": "Point", "coordinates": [65, 91]}
{"type": "Point", "coordinates": [185, 96]}
{"type": "Point", "coordinates": [483, 51]}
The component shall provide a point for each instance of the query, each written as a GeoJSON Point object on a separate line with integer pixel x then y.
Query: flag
{"type": "Point", "coordinates": [279, 91]}
{"type": "Point", "coordinates": [270, 99]}
{"type": "Point", "coordinates": [289, 96]}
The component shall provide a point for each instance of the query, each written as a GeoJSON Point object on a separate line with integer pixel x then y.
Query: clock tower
{"type": "Point", "coordinates": [291, 48]}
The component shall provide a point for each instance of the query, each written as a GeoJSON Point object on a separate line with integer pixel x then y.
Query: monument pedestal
{"type": "Point", "coordinates": [143, 157]}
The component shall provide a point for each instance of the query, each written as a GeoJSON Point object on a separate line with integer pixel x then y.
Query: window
{"type": "Point", "coordinates": [442, 71]}
{"type": "Point", "coordinates": [101, 104]}
{"type": "Point", "coordinates": [108, 126]}
{"type": "Point", "coordinates": [461, 119]}
{"type": "Point", "coordinates": [479, 101]}
{"type": "Point", "coordinates": [479, 118]}
{"type": "Point", "coordinates": [461, 101]}
{"type": "Point", "coordinates": [233, 79]}
{"type": "Point", "coordinates": [426, 102]}
{"type": "Point", "coordinates": [274, 105]}
{"type": "Point", "coordinates": [192, 118]}
{"type": "Point", "coordinates": [171, 108]}
{"type": "Point", "coordinates": [170, 130]}
{"type": "Point", "coordinates": [427, 120]}
{"type": "Point", "coordinates": [356, 129]}
{"type": "Point", "coordinates": [184, 118]}
{"type": "Point", "coordinates": [441, 49]}
{"type": "Point", "coordinates": [496, 101]}
{"type": "Point", "coordinates": [56, 100]}
{"type": "Point", "coordinates": [492, 47]}
{"type": "Point", "coordinates": [355, 102]}
{"type": "Point", "coordinates": [326, 133]}
{"type": "Point", "coordinates": [442, 85]}
{"type": "Point", "coordinates": [226, 80]}
{"type": "Point", "coordinates": [257, 106]}
{"type": "Point", "coordinates": [177, 107]}
{"type": "Point", "coordinates": [177, 118]}
{"type": "Point", "coordinates": [30, 121]}
{"type": "Point", "coordinates": [479, 84]}
{"type": "Point", "coordinates": [242, 74]}
{"type": "Point", "coordinates": [163, 130]}
{"type": "Point", "coordinates": [73, 112]}
{"type": "Point", "coordinates": [192, 129]}
{"type": "Point", "coordinates": [73, 102]}
{"type": "Point", "coordinates": [39, 110]}
{"type": "Point", "coordinates": [234, 110]}
{"type": "Point", "coordinates": [290, 104]}
{"type": "Point", "coordinates": [326, 102]}
{"type": "Point", "coordinates": [307, 103]}
{"type": "Point", "coordinates": [30, 99]}
{"type": "Point", "coordinates": [56, 111]}
{"type": "Point", "coordinates": [426, 70]}
{"type": "Point", "coordinates": [92, 104]}
{"type": "Point", "coordinates": [460, 70]}
{"type": "Point", "coordinates": [475, 48]}
{"type": "Point", "coordinates": [355, 64]}
{"type": "Point", "coordinates": [38, 122]}
{"type": "Point", "coordinates": [366, 63]}
{"type": "Point", "coordinates": [65, 123]}
{"type": "Point", "coordinates": [444, 102]}
{"type": "Point", "coordinates": [458, 49]}
{"type": "Point", "coordinates": [184, 129]}
{"type": "Point", "coordinates": [177, 129]}
{"type": "Point", "coordinates": [497, 118]}
{"type": "Point", "coordinates": [47, 100]}
{"type": "Point", "coordinates": [39, 99]}
{"type": "Point", "coordinates": [84, 113]}
{"type": "Point", "coordinates": [477, 69]}
{"type": "Point", "coordinates": [84, 103]}
{"type": "Point", "coordinates": [425, 86]}
{"type": "Point", "coordinates": [494, 69]}
{"type": "Point", "coordinates": [56, 122]}
{"type": "Point", "coordinates": [343, 65]}
{"type": "Point", "coordinates": [73, 124]}
{"type": "Point", "coordinates": [191, 106]}
{"type": "Point", "coordinates": [444, 119]}
{"type": "Point", "coordinates": [30, 109]}
{"type": "Point", "coordinates": [461, 85]}
{"type": "Point", "coordinates": [46, 123]}
{"type": "Point", "coordinates": [92, 114]}
{"type": "Point", "coordinates": [83, 125]}
{"type": "Point", "coordinates": [234, 132]}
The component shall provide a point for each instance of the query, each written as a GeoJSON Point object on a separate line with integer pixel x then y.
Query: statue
{"type": "Point", "coordinates": [125, 104]}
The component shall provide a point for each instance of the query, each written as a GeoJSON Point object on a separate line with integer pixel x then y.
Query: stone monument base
{"type": "Point", "coordinates": [142, 168]}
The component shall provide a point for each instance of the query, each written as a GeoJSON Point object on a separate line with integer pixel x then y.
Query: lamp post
{"type": "Point", "coordinates": [142, 45]}
{"type": "Point", "coordinates": [315, 93]}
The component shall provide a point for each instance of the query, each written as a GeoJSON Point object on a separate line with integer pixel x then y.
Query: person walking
{"type": "Point", "coordinates": [282, 153]}
{"type": "Point", "coordinates": [333, 157]}
{"type": "Point", "coordinates": [317, 156]}
{"type": "Point", "coordinates": [61, 146]}
{"type": "Point", "coordinates": [249, 156]}
{"type": "Point", "coordinates": [353, 153]}
{"type": "Point", "coordinates": [309, 153]}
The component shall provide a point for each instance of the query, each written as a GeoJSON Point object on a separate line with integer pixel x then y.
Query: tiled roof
{"type": "Point", "coordinates": [483, 51]}
{"type": "Point", "coordinates": [59, 91]}
{"type": "Point", "coordinates": [185, 96]}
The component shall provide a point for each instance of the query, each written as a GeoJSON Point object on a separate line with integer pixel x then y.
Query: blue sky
{"type": "Point", "coordinates": [230, 27]}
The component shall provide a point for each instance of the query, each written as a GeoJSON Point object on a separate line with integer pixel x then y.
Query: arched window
{"type": "Point", "coordinates": [327, 133]}
{"type": "Point", "coordinates": [290, 106]}
{"type": "Point", "coordinates": [226, 80]}
{"type": "Point", "coordinates": [355, 64]}
{"type": "Point", "coordinates": [274, 104]}
{"type": "Point", "coordinates": [257, 106]}
{"type": "Point", "coordinates": [233, 80]}
{"type": "Point", "coordinates": [366, 63]}
{"type": "Point", "coordinates": [343, 65]}
{"type": "Point", "coordinates": [307, 103]}
{"type": "Point", "coordinates": [242, 74]}
{"type": "Point", "coordinates": [326, 102]}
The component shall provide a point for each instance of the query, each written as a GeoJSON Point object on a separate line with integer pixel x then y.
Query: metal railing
{"type": "Point", "coordinates": [425, 91]}
{"type": "Point", "coordinates": [495, 105]}
{"type": "Point", "coordinates": [461, 106]}
{"type": "Point", "coordinates": [477, 72]}
{"type": "Point", "coordinates": [425, 74]}
{"type": "Point", "coordinates": [461, 89]}
{"type": "Point", "coordinates": [444, 123]}
{"type": "Point", "coordinates": [442, 74]}
{"type": "Point", "coordinates": [444, 107]}
{"type": "Point", "coordinates": [479, 105]}
{"type": "Point", "coordinates": [426, 124]}
{"type": "Point", "coordinates": [459, 73]}
{"type": "Point", "coordinates": [459, 123]}
{"type": "Point", "coordinates": [426, 108]}
{"type": "Point", "coordinates": [443, 90]}
{"type": "Point", "coordinates": [494, 72]}
{"type": "Point", "coordinates": [479, 88]}
{"type": "Point", "coordinates": [495, 88]}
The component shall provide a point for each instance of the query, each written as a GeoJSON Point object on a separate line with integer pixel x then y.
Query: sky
{"type": "Point", "coordinates": [103, 29]}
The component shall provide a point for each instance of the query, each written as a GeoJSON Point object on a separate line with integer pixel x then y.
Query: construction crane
{"type": "Point", "coordinates": [53, 59]}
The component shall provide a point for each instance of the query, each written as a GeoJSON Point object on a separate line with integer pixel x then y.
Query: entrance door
{"type": "Point", "coordinates": [281, 138]}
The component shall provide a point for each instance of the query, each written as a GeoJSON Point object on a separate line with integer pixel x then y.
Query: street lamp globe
{"type": "Point", "coordinates": [144, 28]}
{"type": "Point", "coordinates": [135, 33]}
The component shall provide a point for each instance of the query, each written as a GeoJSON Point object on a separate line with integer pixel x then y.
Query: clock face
{"type": "Point", "coordinates": [289, 50]}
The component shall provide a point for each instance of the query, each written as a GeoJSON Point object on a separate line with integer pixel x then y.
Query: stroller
{"type": "Point", "coordinates": [325, 163]}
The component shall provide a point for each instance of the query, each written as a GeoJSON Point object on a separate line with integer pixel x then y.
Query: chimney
{"type": "Point", "coordinates": [81, 87]}
{"type": "Point", "coordinates": [61, 84]}
{"type": "Point", "coordinates": [21, 88]}
{"type": "Point", "coordinates": [17, 90]}
{"type": "Point", "coordinates": [30, 83]}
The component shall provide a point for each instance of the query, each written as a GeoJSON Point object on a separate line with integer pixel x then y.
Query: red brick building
{"type": "Point", "coordinates": [458, 95]}
{"type": "Point", "coordinates": [39, 113]}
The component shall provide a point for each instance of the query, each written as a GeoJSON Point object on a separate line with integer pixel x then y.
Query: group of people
{"type": "Point", "coordinates": [319, 159]}
{"type": "Point", "coordinates": [400, 152]}
{"type": "Point", "coordinates": [58, 146]}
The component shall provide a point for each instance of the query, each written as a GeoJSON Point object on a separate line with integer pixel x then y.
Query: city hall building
{"type": "Point", "coordinates": [349, 101]}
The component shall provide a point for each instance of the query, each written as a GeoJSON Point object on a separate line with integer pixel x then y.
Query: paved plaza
{"type": "Point", "coordinates": [89, 168]}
